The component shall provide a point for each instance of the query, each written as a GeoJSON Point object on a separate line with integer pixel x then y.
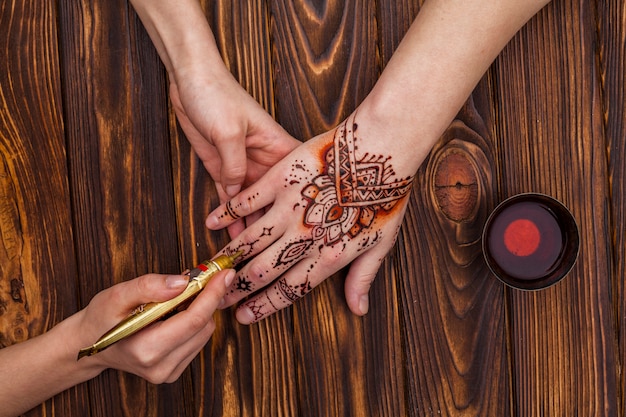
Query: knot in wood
{"type": "Point", "coordinates": [456, 186]}
{"type": "Point", "coordinates": [17, 287]}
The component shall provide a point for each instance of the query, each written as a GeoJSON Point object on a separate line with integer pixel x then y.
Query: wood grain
{"type": "Point", "coordinates": [612, 68]}
{"type": "Point", "coordinates": [37, 285]}
{"type": "Point", "coordinates": [551, 140]}
{"type": "Point", "coordinates": [120, 173]}
{"type": "Point", "coordinates": [454, 311]}
{"type": "Point", "coordinates": [98, 184]}
{"type": "Point", "coordinates": [324, 55]}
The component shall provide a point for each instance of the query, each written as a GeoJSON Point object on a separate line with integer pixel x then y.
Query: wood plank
{"type": "Point", "coordinates": [550, 139]}
{"type": "Point", "coordinates": [120, 175]}
{"type": "Point", "coordinates": [35, 217]}
{"type": "Point", "coordinates": [440, 273]}
{"type": "Point", "coordinates": [325, 62]}
{"type": "Point", "coordinates": [453, 309]}
{"type": "Point", "coordinates": [611, 18]}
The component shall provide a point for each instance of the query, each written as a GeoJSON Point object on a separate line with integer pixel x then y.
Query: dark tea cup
{"type": "Point", "coordinates": [530, 241]}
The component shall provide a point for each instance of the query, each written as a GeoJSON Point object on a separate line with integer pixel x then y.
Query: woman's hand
{"type": "Point", "coordinates": [160, 352]}
{"type": "Point", "coordinates": [234, 137]}
{"type": "Point", "coordinates": [46, 365]}
{"type": "Point", "coordinates": [337, 199]}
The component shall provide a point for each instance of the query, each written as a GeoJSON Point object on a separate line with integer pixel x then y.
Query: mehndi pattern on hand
{"type": "Point", "coordinates": [347, 196]}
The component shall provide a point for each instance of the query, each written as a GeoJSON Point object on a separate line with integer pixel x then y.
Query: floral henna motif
{"type": "Point", "coordinates": [346, 197]}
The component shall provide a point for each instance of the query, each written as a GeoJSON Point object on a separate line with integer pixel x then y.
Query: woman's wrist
{"type": "Point", "coordinates": [182, 37]}
{"type": "Point", "coordinates": [389, 123]}
{"type": "Point", "coordinates": [43, 366]}
{"type": "Point", "coordinates": [70, 337]}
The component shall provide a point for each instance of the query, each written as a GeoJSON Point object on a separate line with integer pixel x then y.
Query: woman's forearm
{"type": "Point", "coordinates": [444, 54]}
{"type": "Point", "coordinates": [181, 35]}
{"type": "Point", "coordinates": [40, 368]}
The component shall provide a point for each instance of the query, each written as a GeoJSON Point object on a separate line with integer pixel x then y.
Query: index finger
{"type": "Point", "coordinates": [247, 202]}
{"type": "Point", "coordinates": [186, 323]}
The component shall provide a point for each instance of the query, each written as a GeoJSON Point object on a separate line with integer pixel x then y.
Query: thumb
{"type": "Point", "coordinates": [148, 288]}
{"type": "Point", "coordinates": [232, 152]}
{"type": "Point", "coordinates": [362, 273]}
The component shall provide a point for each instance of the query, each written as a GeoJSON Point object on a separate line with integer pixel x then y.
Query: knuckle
{"type": "Point", "coordinates": [237, 171]}
{"type": "Point", "coordinates": [246, 237]}
{"type": "Point", "coordinates": [198, 322]}
{"type": "Point", "coordinates": [144, 283]}
{"type": "Point", "coordinates": [243, 204]}
{"type": "Point", "coordinates": [149, 359]}
{"type": "Point", "coordinates": [259, 272]}
{"type": "Point", "coordinates": [157, 375]}
{"type": "Point", "coordinates": [227, 132]}
{"type": "Point", "coordinates": [116, 292]}
{"type": "Point", "coordinates": [330, 255]}
{"type": "Point", "coordinates": [145, 360]}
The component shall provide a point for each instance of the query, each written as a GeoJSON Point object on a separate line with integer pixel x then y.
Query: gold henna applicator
{"type": "Point", "coordinates": [147, 314]}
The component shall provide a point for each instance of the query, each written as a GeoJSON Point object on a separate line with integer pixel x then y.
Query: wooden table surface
{"type": "Point", "coordinates": [98, 185]}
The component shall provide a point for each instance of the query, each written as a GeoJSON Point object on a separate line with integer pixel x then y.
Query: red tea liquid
{"type": "Point", "coordinates": [526, 241]}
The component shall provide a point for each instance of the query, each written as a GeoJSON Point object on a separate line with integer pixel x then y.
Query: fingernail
{"type": "Point", "coordinates": [211, 222]}
{"type": "Point", "coordinates": [364, 304]}
{"type": "Point", "coordinates": [244, 315]}
{"type": "Point", "coordinates": [232, 190]}
{"type": "Point", "coordinates": [175, 282]}
{"type": "Point", "coordinates": [228, 279]}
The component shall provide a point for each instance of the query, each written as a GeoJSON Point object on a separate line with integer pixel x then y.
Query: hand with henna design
{"type": "Point", "coordinates": [342, 195]}
{"type": "Point", "coordinates": [348, 203]}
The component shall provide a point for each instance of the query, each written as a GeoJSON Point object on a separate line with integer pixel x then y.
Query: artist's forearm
{"type": "Point", "coordinates": [444, 54]}
{"type": "Point", "coordinates": [39, 368]}
{"type": "Point", "coordinates": [181, 35]}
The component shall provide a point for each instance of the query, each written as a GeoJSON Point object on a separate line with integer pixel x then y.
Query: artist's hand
{"type": "Point", "coordinates": [338, 198]}
{"type": "Point", "coordinates": [161, 352]}
{"type": "Point", "coordinates": [236, 139]}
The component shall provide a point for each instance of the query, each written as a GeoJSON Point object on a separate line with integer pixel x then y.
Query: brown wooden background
{"type": "Point", "coordinates": [98, 185]}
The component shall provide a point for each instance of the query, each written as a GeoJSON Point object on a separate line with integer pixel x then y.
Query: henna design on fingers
{"type": "Point", "coordinates": [246, 248]}
{"type": "Point", "coordinates": [293, 252]}
{"type": "Point", "coordinates": [280, 295]}
{"type": "Point", "coordinates": [244, 285]}
{"type": "Point", "coordinates": [291, 292]}
{"type": "Point", "coordinates": [256, 307]}
{"type": "Point", "coordinates": [346, 198]}
{"type": "Point", "coordinates": [231, 211]}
